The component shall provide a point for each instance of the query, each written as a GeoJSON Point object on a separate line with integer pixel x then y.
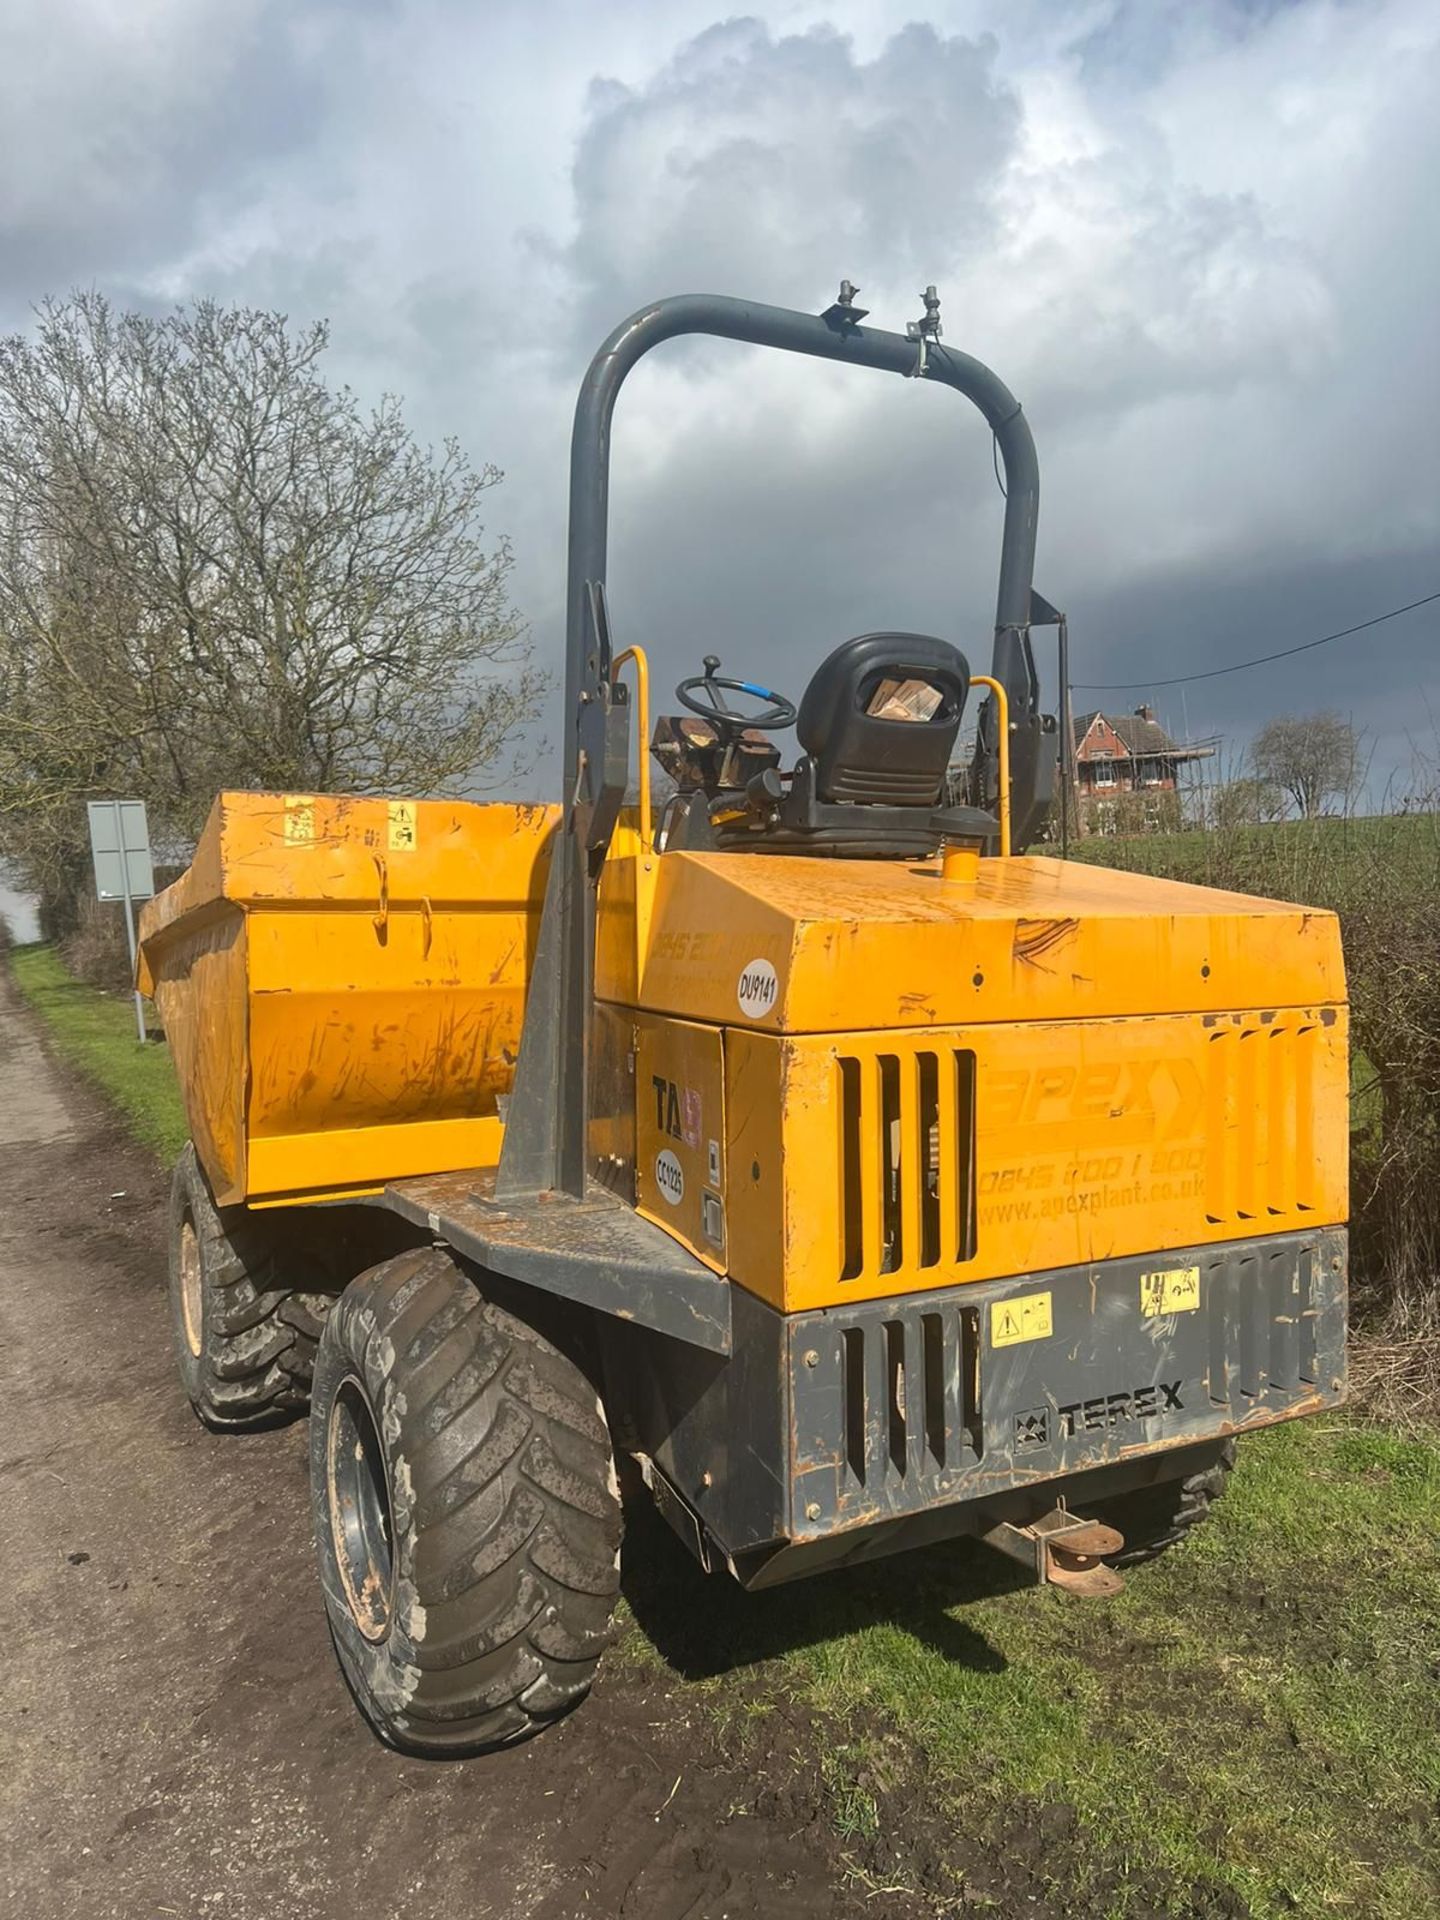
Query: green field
{"type": "Point", "coordinates": [1253, 1727]}
{"type": "Point", "coordinates": [1324, 863]}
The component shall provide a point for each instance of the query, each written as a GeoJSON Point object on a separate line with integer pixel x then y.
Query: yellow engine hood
{"type": "Point", "coordinates": [789, 945]}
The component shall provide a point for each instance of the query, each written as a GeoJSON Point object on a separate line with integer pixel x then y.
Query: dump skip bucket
{"type": "Point", "coordinates": [342, 983]}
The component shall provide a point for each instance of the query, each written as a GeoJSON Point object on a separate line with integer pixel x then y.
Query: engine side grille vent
{"type": "Point", "coordinates": [1260, 1120]}
{"type": "Point", "coordinates": [907, 1161]}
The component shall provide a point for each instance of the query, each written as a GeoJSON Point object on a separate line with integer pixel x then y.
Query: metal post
{"type": "Point", "coordinates": [1070, 797]}
{"type": "Point", "coordinates": [130, 939]}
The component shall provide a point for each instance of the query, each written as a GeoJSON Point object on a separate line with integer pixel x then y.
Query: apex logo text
{"type": "Point", "coordinates": [1163, 1092]}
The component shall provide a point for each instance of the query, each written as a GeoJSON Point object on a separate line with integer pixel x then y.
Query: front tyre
{"type": "Point", "coordinates": [467, 1515]}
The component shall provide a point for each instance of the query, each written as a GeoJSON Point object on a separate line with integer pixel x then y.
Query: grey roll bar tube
{"type": "Point", "coordinates": [545, 1145]}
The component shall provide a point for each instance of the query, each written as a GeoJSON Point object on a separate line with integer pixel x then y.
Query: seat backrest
{"type": "Point", "coordinates": [880, 718]}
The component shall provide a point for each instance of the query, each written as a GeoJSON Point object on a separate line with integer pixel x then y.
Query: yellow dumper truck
{"type": "Point", "coordinates": [863, 1179]}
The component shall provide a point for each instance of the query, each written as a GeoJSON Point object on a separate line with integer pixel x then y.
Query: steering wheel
{"type": "Point", "coordinates": [704, 693]}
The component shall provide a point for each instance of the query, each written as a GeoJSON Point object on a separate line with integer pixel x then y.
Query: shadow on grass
{"type": "Point", "coordinates": [704, 1625]}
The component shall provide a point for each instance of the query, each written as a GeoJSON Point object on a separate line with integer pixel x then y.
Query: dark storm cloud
{"type": "Point", "coordinates": [125, 131]}
{"type": "Point", "coordinates": [1384, 681]}
{"type": "Point", "coordinates": [791, 506]}
{"type": "Point", "coordinates": [1183, 292]}
{"type": "Point", "coordinates": [769, 161]}
{"type": "Point", "coordinates": [1198, 242]}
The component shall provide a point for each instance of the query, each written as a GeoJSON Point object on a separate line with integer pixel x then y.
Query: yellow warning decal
{"type": "Point", "coordinates": [404, 833]}
{"type": "Point", "coordinates": [299, 820]}
{"type": "Point", "coordinates": [1027, 1318]}
{"type": "Point", "coordinates": [1173, 1290]}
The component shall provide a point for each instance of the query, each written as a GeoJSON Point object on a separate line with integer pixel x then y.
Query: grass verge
{"type": "Point", "coordinates": [95, 1032]}
{"type": "Point", "coordinates": [1253, 1727]}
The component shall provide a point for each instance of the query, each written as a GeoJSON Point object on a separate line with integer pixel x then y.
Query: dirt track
{"type": "Point", "coordinates": [176, 1736]}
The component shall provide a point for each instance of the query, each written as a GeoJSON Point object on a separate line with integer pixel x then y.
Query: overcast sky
{"type": "Point", "coordinates": [1199, 240]}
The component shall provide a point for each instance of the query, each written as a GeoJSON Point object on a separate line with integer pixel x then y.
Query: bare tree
{"type": "Point", "coordinates": [217, 570]}
{"type": "Point", "coordinates": [1311, 757]}
{"type": "Point", "coordinates": [1245, 801]}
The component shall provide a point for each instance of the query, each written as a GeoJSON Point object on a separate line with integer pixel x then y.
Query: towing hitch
{"type": "Point", "coordinates": [1062, 1549]}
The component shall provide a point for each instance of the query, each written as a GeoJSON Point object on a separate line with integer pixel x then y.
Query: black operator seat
{"type": "Point", "coordinates": [880, 718]}
{"type": "Point", "coordinates": [877, 728]}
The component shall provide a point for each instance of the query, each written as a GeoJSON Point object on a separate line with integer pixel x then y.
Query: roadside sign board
{"type": "Point", "coordinates": [120, 848]}
{"type": "Point", "coordinates": [120, 845]}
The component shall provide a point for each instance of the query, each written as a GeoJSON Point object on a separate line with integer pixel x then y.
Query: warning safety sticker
{"type": "Point", "coordinates": [1175, 1290]}
{"type": "Point", "coordinates": [400, 824]}
{"type": "Point", "coordinates": [1027, 1318]}
{"type": "Point", "coordinates": [299, 820]}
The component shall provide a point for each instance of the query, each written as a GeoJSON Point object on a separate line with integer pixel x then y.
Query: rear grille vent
{"type": "Point", "coordinates": [1262, 1327]}
{"type": "Point", "coordinates": [907, 1161]}
{"type": "Point", "coordinates": [911, 1397]}
{"type": "Point", "coordinates": [1260, 1120]}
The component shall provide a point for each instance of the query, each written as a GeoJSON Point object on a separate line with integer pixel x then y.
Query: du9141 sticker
{"type": "Point", "coordinates": [757, 989]}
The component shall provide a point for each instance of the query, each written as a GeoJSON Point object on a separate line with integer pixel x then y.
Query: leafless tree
{"type": "Point", "coordinates": [215, 569]}
{"type": "Point", "coordinates": [1312, 757]}
{"type": "Point", "coordinates": [1245, 801]}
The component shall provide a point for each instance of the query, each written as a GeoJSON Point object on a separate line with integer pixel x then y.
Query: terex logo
{"type": "Point", "coordinates": [1162, 1092]}
{"type": "Point", "coordinates": [1109, 1409]}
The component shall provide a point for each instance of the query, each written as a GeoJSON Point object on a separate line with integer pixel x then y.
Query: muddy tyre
{"type": "Point", "coordinates": [467, 1517]}
{"type": "Point", "coordinates": [246, 1325]}
{"type": "Point", "coordinates": [1153, 1519]}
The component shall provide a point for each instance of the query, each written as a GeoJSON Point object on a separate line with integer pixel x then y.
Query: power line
{"type": "Point", "coordinates": [1215, 673]}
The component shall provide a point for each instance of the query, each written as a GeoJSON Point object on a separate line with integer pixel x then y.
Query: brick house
{"type": "Point", "coordinates": [1127, 771]}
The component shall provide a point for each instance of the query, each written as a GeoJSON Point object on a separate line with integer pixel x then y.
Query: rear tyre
{"type": "Point", "coordinates": [467, 1515]}
{"type": "Point", "coordinates": [246, 1325]}
{"type": "Point", "coordinates": [1154, 1519]}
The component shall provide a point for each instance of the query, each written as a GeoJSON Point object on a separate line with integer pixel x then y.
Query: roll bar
{"type": "Point", "coordinates": [547, 1118]}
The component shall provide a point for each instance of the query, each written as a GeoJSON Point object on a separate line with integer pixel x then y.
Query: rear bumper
{"type": "Point", "coordinates": [902, 1414]}
{"type": "Point", "coordinates": [917, 1402]}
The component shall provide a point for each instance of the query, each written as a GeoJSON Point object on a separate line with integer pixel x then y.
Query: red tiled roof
{"type": "Point", "coordinates": [1139, 736]}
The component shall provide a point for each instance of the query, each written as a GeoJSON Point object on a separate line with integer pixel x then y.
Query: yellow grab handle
{"type": "Point", "coordinates": [382, 917]}
{"type": "Point", "coordinates": [1002, 704]}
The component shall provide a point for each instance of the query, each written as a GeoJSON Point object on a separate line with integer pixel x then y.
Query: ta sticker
{"type": "Point", "coordinates": [1014, 1321]}
{"type": "Point", "coordinates": [670, 1177]}
{"type": "Point", "coordinates": [757, 989]}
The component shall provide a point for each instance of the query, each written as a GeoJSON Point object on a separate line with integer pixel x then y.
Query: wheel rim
{"type": "Point", "coordinates": [191, 1306]}
{"type": "Point", "coordinates": [361, 1524]}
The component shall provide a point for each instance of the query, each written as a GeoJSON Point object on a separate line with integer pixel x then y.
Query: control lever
{"type": "Point", "coordinates": [764, 791]}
